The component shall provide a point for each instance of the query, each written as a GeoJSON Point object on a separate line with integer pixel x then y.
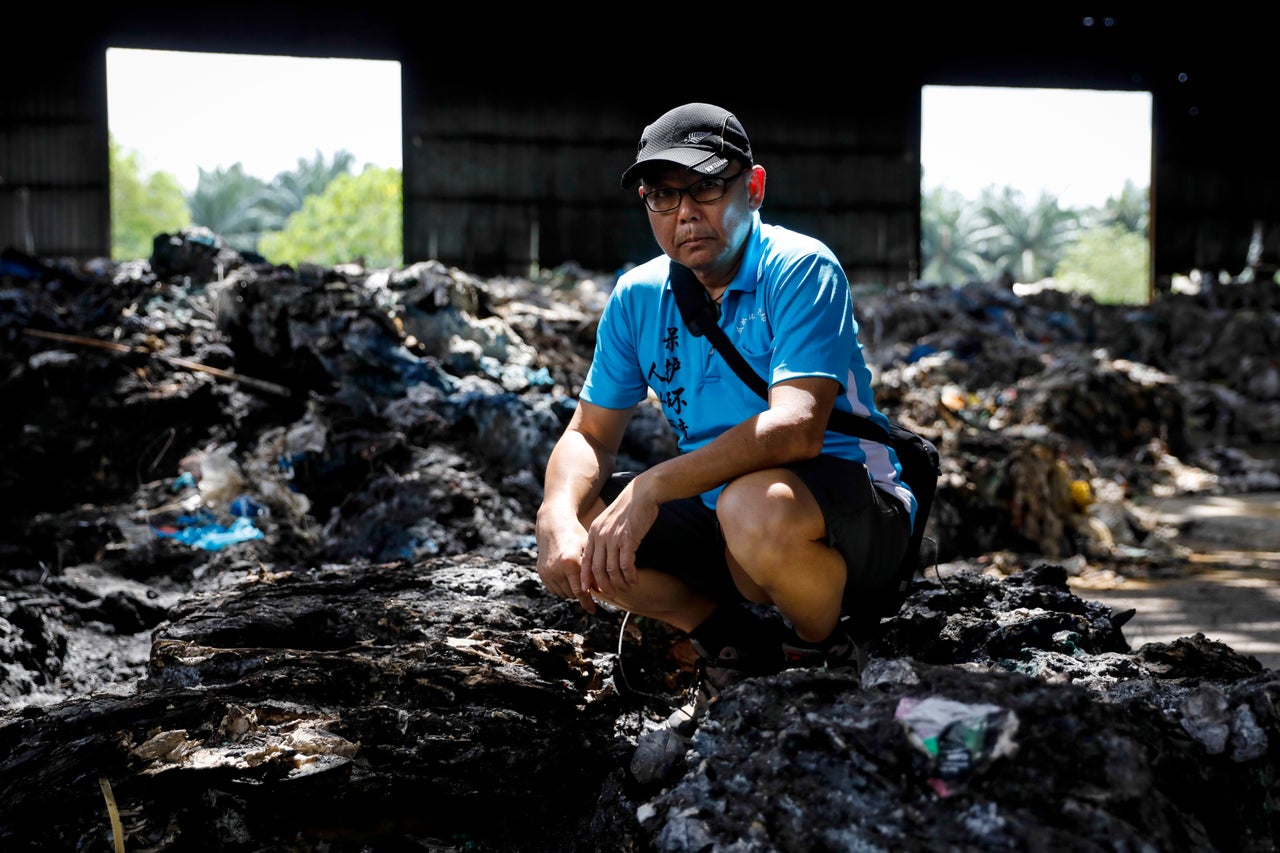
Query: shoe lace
{"type": "Point", "coordinates": [622, 669]}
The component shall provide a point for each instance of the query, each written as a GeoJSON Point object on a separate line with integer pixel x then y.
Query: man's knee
{"type": "Point", "coordinates": [740, 494]}
{"type": "Point", "coordinates": [761, 512]}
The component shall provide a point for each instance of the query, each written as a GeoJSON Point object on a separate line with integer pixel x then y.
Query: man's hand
{"type": "Point", "coordinates": [609, 555]}
{"type": "Point", "coordinates": [560, 561]}
{"type": "Point", "coordinates": [581, 461]}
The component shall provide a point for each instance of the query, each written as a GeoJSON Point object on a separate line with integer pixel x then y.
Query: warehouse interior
{"type": "Point", "coordinates": [270, 578]}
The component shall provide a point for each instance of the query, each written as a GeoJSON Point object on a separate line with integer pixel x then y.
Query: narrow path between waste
{"type": "Point", "coordinates": [1231, 590]}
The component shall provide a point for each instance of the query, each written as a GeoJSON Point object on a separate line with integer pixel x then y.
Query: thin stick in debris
{"type": "Point", "coordinates": [117, 831]}
{"type": "Point", "coordinates": [175, 361]}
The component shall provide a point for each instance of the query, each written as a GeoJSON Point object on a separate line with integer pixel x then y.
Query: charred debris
{"type": "Point", "coordinates": [267, 579]}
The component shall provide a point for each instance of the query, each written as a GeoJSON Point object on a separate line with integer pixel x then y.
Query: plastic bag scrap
{"type": "Point", "coordinates": [960, 739]}
{"type": "Point", "coordinates": [220, 477]}
{"type": "Point", "coordinates": [202, 531]}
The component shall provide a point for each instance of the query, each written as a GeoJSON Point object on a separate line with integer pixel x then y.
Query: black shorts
{"type": "Point", "coordinates": [868, 526]}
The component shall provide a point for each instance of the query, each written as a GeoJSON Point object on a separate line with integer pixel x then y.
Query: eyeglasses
{"type": "Point", "coordinates": [666, 199]}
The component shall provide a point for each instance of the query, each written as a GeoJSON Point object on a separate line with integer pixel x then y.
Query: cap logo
{"type": "Point", "coordinates": [679, 134]}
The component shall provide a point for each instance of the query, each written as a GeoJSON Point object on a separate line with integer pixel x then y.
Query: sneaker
{"type": "Point", "coordinates": [732, 665]}
{"type": "Point", "coordinates": [715, 675]}
{"type": "Point", "coordinates": [841, 655]}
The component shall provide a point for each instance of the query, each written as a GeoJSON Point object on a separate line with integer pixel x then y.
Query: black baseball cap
{"type": "Point", "coordinates": [701, 137]}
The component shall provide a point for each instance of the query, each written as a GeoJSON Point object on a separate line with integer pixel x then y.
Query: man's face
{"type": "Point", "coordinates": [707, 237]}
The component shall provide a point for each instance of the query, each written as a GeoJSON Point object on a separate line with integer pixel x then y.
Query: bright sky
{"type": "Point", "coordinates": [1080, 145]}
{"type": "Point", "coordinates": [183, 111]}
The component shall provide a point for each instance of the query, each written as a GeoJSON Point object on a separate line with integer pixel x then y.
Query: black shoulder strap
{"type": "Point", "coordinates": [700, 317]}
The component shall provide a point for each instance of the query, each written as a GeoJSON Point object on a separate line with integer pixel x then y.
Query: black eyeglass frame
{"type": "Point", "coordinates": [722, 183]}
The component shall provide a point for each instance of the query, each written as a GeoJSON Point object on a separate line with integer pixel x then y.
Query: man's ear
{"type": "Point", "coordinates": [755, 187]}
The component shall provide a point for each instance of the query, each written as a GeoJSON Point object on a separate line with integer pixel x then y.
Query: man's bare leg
{"type": "Point", "coordinates": [658, 595]}
{"type": "Point", "coordinates": [777, 551]}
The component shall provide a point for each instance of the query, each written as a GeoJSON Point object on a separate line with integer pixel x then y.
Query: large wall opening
{"type": "Point", "coordinates": [1037, 187]}
{"type": "Point", "coordinates": [292, 158]}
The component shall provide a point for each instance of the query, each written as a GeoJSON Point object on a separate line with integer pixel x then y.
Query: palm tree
{"type": "Point", "coordinates": [240, 208]}
{"type": "Point", "coordinates": [289, 189]}
{"type": "Point", "coordinates": [228, 203]}
{"type": "Point", "coordinates": [1026, 242]}
{"type": "Point", "coordinates": [947, 250]}
{"type": "Point", "coordinates": [1130, 209]}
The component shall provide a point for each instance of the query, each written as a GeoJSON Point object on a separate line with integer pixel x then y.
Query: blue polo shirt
{"type": "Point", "coordinates": [788, 311]}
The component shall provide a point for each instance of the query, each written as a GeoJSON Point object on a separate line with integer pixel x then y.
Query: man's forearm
{"type": "Point", "coordinates": [576, 473]}
{"type": "Point", "coordinates": [755, 444]}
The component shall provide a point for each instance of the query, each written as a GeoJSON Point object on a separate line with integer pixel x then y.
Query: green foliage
{"type": "Point", "coordinates": [1129, 210]}
{"type": "Point", "coordinates": [141, 207]}
{"type": "Point", "coordinates": [356, 219]}
{"type": "Point", "coordinates": [241, 208]}
{"type": "Point", "coordinates": [947, 223]}
{"type": "Point", "coordinates": [229, 203]}
{"type": "Point", "coordinates": [1100, 251]}
{"type": "Point", "coordinates": [1108, 263]}
{"type": "Point", "coordinates": [288, 191]}
{"type": "Point", "coordinates": [1024, 241]}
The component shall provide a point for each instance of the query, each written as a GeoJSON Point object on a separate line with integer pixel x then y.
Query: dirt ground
{"type": "Point", "coordinates": [1231, 592]}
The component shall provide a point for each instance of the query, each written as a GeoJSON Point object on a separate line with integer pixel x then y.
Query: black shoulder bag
{"type": "Point", "coordinates": [918, 455]}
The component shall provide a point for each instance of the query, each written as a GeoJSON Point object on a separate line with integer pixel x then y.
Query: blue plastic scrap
{"type": "Point", "coordinates": [246, 507]}
{"type": "Point", "coordinates": [212, 536]}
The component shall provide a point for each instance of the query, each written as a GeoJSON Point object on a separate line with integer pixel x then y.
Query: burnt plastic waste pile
{"type": "Point", "coordinates": [266, 578]}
